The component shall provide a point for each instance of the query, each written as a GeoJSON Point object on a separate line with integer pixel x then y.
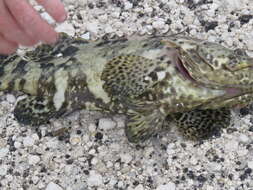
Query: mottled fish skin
{"type": "Point", "coordinates": [147, 78]}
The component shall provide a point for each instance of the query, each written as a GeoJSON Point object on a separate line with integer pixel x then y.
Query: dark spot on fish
{"type": "Point", "coordinates": [73, 59]}
{"type": "Point", "coordinates": [39, 106]}
{"type": "Point", "coordinates": [169, 62]}
{"type": "Point", "coordinates": [10, 59]}
{"type": "Point", "coordinates": [145, 45]}
{"type": "Point", "coordinates": [80, 41]}
{"type": "Point", "coordinates": [10, 85]}
{"type": "Point", "coordinates": [1, 71]}
{"type": "Point", "coordinates": [46, 65]}
{"type": "Point", "coordinates": [162, 58]}
{"type": "Point", "coordinates": [70, 51]}
{"type": "Point", "coordinates": [153, 75]}
{"type": "Point", "coordinates": [102, 43]}
{"type": "Point", "coordinates": [21, 84]}
{"type": "Point", "coordinates": [120, 40]}
{"type": "Point", "coordinates": [157, 69]}
{"type": "Point", "coordinates": [20, 67]}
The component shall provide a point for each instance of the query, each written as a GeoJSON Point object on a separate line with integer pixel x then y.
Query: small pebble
{"type": "Point", "coordinates": [11, 98]}
{"type": "Point", "coordinates": [86, 36]}
{"type": "Point", "coordinates": [75, 140]}
{"type": "Point", "coordinates": [17, 144]}
{"type": "Point", "coordinates": [128, 5]}
{"type": "Point", "coordinates": [94, 179]}
{"type": "Point", "coordinates": [3, 170]}
{"type": "Point", "coordinates": [33, 159]}
{"type": "Point", "coordinates": [126, 158]}
{"type": "Point", "coordinates": [53, 186]}
{"type": "Point", "coordinates": [92, 127]}
{"type": "Point", "coordinates": [92, 27]}
{"type": "Point", "coordinates": [159, 24]}
{"type": "Point", "coordinates": [66, 27]}
{"type": "Point", "coordinates": [168, 186]}
{"type": "Point", "coordinates": [231, 145]}
{"type": "Point", "coordinates": [250, 164]}
{"type": "Point", "coordinates": [244, 138]}
{"type": "Point", "coordinates": [106, 124]}
{"type": "Point", "coordinates": [3, 152]}
{"type": "Point", "coordinates": [28, 141]}
{"type": "Point", "coordinates": [139, 187]}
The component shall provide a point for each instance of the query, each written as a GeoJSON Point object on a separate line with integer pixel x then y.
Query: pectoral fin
{"type": "Point", "coordinates": [140, 127]}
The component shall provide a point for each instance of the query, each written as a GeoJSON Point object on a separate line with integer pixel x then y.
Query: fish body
{"type": "Point", "coordinates": [150, 79]}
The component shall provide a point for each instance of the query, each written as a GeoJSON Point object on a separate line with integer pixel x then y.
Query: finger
{"type": "Point", "coordinates": [55, 8]}
{"type": "Point", "coordinates": [10, 29]}
{"type": "Point", "coordinates": [31, 22]}
{"type": "Point", "coordinates": [7, 47]}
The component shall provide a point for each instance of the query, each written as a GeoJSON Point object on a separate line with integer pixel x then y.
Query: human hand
{"type": "Point", "coordinates": [21, 24]}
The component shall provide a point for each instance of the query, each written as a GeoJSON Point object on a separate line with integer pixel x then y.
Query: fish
{"type": "Point", "coordinates": [153, 80]}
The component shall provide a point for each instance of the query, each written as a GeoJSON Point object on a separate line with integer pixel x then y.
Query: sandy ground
{"type": "Point", "coordinates": [94, 153]}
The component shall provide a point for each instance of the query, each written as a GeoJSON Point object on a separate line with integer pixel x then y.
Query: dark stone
{"type": "Point", "coordinates": [10, 171]}
{"type": "Point", "coordinates": [67, 156]}
{"type": "Point", "coordinates": [134, 2]}
{"type": "Point", "coordinates": [99, 136]}
{"type": "Point", "coordinates": [244, 111]}
{"type": "Point", "coordinates": [135, 183]}
{"type": "Point", "coordinates": [243, 177]}
{"type": "Point", "coordinates": [251, 129]}
{"type": "Point", "coordinates": [118, 3]}
{"type": "Point", "coordinates": [191, 175]}
{"type": "Point", "coordinates": [230, 176]}
{"type": "Point", "coordinates": [248, 171]}
{"type": "Point", "coordinates": [70, 161]}
{"type": "Point", "coordinates": [26, 173]}
{"type": "Point", "coordinates": [191, 5]}
{"type": "Point", "coordinates": [244, 19]}
{"type": "Point", "coordinates": [90, 5]}
{"type": "Point", "coordinates": [100, 4]}
{"type": "Point", "coordinates": [185, 170]}
{"type": "Point", "coordinates": [210, 25]}
{"type": "Point", "coordinates": [140, 15]}
{"type": "Point", "coordinates": [201, 179]}
{"type": "Point", "coordinates": [78, 132]}
{"type": "Point", "coordinates": [168, 21]}
{"type": "Point", "coordinates": [43, 169]}
{"type": "Point", "coordinates": [231, 130]}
